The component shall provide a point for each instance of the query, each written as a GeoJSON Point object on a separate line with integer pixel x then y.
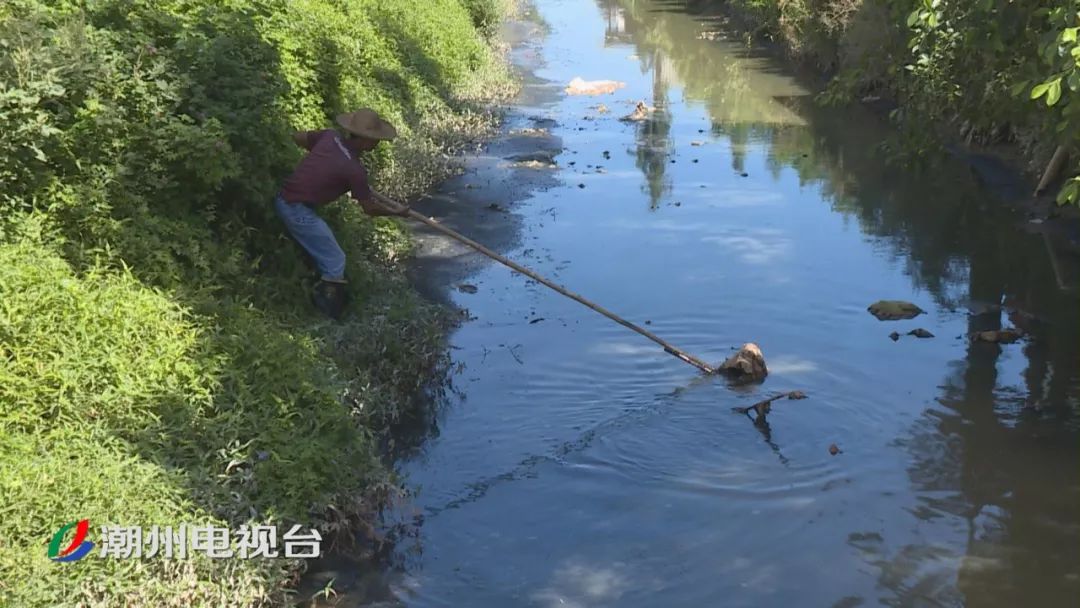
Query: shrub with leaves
{"type": "Point", "coordinates": [954, 67]}
{"type": "Point", "coordinates": [160, 362]}
{"type": "Point", "coordinates": [1059, 57]}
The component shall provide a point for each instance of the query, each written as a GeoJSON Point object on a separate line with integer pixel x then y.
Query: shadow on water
{"type": "Point", "coordinates": [1009, 468]}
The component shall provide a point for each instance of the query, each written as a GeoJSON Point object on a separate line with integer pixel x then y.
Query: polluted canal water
{"type": "Point", "coordinates": [576, 464]}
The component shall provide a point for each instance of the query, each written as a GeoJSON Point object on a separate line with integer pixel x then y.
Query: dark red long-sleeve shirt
{"type": "Point", "coordinates": [327, 171]}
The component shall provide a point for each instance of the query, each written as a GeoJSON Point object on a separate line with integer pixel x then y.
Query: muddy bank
{"type": "Point", "coordinates": [481, 201]}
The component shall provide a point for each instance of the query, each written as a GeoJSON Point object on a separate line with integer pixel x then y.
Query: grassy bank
{"type": "Point", "coordinates": [159, 360]}
{"type": "Point", "coordinates": [992, 72]}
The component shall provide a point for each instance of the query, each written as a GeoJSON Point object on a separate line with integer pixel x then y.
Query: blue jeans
{"type": "Point", "coordinates": [315, 237]}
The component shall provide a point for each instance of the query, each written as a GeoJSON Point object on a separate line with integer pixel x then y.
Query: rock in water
{"type": "Point", "coordinates": [641, 112]}
{"type": "Point", "coordinates": [747, 365]}
{"type": "Point", "coordinates": [894, 310]}
{"type": "Point", "coordinates": [920, 333]}
{"type": "Point", "coordinates": [1000, 336]}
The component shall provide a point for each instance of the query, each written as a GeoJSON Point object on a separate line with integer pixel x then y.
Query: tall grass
{"type": "Point", "coordinates": [159, 360]}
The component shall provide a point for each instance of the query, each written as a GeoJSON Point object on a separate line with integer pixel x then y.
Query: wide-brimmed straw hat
{"type": "Point", "coordinates": [367, 123]}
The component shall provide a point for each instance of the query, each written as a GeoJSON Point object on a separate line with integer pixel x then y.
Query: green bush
{"type": "Point", "coordinates": [116, 406]}
{"type": "Point", "coordinates": [159, 359]}
{"type": "Point", "coordinates": [160, 130]}
{"type": "Point", "coordinates": [1002, 68]}
{"type": "Point", "coordinates": [486, 14]}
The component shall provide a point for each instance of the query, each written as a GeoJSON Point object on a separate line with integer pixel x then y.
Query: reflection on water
{"type": "Point", "coordinates": [736, 87]}
{"type": "Point", "coordinates": [653, 144]}
{"type": "Point", "coordinates": [1002, 454]}
{"type": "Point", "coordinates": [590, 470]}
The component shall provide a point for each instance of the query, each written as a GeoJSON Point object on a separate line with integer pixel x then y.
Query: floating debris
{"type": "Point", "coordinates": [641, 112]}
{"type": "Point", "coordinates": [698, 142]}
{"type": "Point", "coordinates": [747, 365]}
{"type": "Point", "coordinates": [894, 310]}
{"type": "Point", "coordinates": [833, 449]}
{"type": "Point", "coordinates": [918, 333]}
{"type": "Point", "coordinates": [578, 86]}
{"type": "Point", "coordinates": [529, 131]}
{"type": "Point", "coordinates": [534, 164]}
{"type": "Point", "coordinates": [999, 336]}
{"type": "Point", "coordinates": [762, 408]}
{"type": "Point", "coordinates": [540, 156]}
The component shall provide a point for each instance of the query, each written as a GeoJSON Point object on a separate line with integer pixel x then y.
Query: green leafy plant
{"type": "Point", "coordinates": [986, 70]}
{"type": "Point", "coordinates": [1060, 56]}
{"type": "Point", "coordinates": [159, 358]}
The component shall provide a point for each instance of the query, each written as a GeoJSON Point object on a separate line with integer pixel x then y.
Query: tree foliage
{"type": "Point", "coordinates": [988, 70]}
{"type": "Point", "coordinates": [1001, 64]}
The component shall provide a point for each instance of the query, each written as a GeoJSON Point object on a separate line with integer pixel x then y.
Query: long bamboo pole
{"type": "Point", "coordinates": [668, 348]}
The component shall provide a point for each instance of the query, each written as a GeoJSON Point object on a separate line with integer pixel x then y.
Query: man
{"type": "Point", "coordinates": [331, 168]}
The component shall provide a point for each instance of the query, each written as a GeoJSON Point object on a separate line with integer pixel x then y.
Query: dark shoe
{"type": "Point", "coordinates": [330, 298]}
